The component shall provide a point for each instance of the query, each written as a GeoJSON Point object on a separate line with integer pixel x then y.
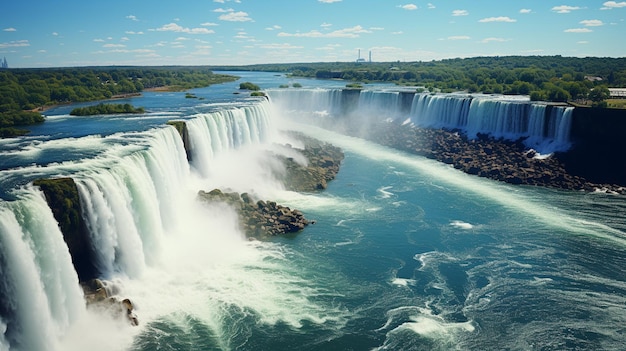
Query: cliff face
{"type": "Point", "coordinates": [181, 127]}
{"type": "Point", "coordinates": [599, 151]}
{"type": "Point", "coordinates": [62, 197]}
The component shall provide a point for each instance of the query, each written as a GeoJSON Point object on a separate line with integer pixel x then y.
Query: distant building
{"type": "Point", "coordinates": [4, 63]}
{"type": "Point", "coordinates": [617, 93]}
{"type": "Point", "coordinates": [362, 60]}
{"type": "Point", "coordinates": [593, 79]}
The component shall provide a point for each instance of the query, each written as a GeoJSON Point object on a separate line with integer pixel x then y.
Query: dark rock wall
{"type": "Point", "coordinates": [599, 145]}
{"type": "Point", "coordinates": [63, 199]}
{"type": "Point", "coordinates": [181, 127]}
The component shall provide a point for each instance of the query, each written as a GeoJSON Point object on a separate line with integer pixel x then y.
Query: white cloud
{"type": "Point", "coordinates": [397, 33]}
{"type": "Point", "coordinates": [582, 42]}
{"type": "Point", "coordinates": [277, 46]}
{"type": "Point", "coordinates": [329, 47]}
{"type": "Point", "coordinates": [609, 5]}
{"type": "Point", "coordinates": [239, 16]}
{"type": "Point", "coordinates": [591, 23]}
{"type": "Point", "coordinates": [565, 9]}
{"type": "Point", "coordinates": [173, 27]}
{"type": "Point", "coordinates": [98, 40]}
{"type": "Point", "coordinates": [124, 39]}
{"type": "Point", "coordinates": [9, 29]}
{"type": "Point", "coordinates": [409, 7]}
{"type": "Point", "coordinates": [325, 25]}
{"type": "Point", "coordinates": [242, 35]}
{"type": "Point", "coordinates": [430, 6]}
{"type": "Point", "coordinates": [42, 51]}
{"type": "Point", "coordinates": [459, 37]}
{"type": "Point", "coordinates": [132, 18]}
{"type": "Point", "coordinates": [525, 11]}
{"type": "Point", "coordinates": [132, 32]}
{"type": "Point", "coordinates": [113, 46]}
{"type": "Point", "coordinates": [352, 32]}
{"type": "Point", "coordinates": [460, 13]}
{"type": "Point", "coordinates": [497, 19]}
{"type": "Point", "coordinates": [209, 24]}
{"type": "Point", "coordinates": [274, 27]}
{"type": "Point", "coordinates": [126, 51]}
{"type": "Point", "coordinates": [55, 34]}
{"type": "Point", "coordinates": [221, 10]}
{"type": "Point", "coordinates": [377, 28]}
{"type": "Point", "coordinates": [578, 30]}
{"type": "Point", "coordinates": [492, 39]}
{"type": "Point", "coordinates": [328, 1]}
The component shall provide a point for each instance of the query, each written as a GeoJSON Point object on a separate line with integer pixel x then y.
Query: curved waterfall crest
{"type": "Point", "coordinates": [544, 127]}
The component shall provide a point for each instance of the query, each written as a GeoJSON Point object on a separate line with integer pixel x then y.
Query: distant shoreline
{"type": "Point", "coordinates": [114, 97]}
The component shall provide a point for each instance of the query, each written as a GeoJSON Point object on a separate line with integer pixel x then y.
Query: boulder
{"type": "Point", "coordinates": [101, 295]}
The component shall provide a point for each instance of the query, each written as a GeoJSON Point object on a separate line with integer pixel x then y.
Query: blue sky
{"type": "Point", "coordinates": [63, 33]}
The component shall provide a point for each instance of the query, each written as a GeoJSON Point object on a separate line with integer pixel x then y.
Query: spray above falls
{"type": "Point", "coordinates": [545, 128]}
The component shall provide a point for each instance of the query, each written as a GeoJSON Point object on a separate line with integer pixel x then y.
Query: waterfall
{"type": "Point", "coordinates": [544, 127]}
{"type": "Point", "coordinates": [39, 292]}
{"type": "Point", "coordinates": [379, 104]}
{"type": "Point", "coordinates": [136, 198]}
{"type": "Point", "coordinates": [321, 102]}
{"type": "Point", "coordinates": [211, 133]}
{"type": "Point", "coordinates": [440, 111]}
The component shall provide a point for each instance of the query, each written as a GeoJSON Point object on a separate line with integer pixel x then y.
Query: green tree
{"type": "Point", "coordinates": [249, 86]}
{"type": "Point", "coordinates": [599, 95]}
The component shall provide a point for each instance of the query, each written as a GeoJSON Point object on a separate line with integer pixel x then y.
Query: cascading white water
{"type": "Point", "coordinates": [229, 129]}
{"type": "Point", "coordinates": [440, 111]}
{"type": "Point", "coordinates": [381, 104]}
{"type": "Point", "coordinates": [39, 283]}
{"type": "Point", "coordinates": [315, 101]}
{"type": "Point", "coordinates": [149, 233]}
{"type": "Point", "coordinates": [500, 119]}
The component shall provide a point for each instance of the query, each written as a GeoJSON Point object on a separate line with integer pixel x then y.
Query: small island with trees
{"type": "Point", "coordinates": [106, 109]}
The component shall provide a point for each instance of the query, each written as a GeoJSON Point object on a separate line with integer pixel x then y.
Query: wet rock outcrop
{"type": "Point", "coordinates": [259, 219]}
{"type": "Point", "coordinates": [324, 161]}
{"type": "Point", "coordinates": [102, 295]}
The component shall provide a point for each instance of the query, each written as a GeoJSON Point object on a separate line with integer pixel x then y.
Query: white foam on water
{"type": "Point", "coordinates": [461, 225]}
{"type": "Point", "coordinates": [384, 193]}
{"type": "Point", "coordinates": [403, 282]}
{"type": "Point", "coordinates": [502, 194]}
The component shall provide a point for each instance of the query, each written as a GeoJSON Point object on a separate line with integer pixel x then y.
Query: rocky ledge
{"type": "Point", "coordinates": [259, 219]}
{"type": "Point", "coordinates": [323, 164]}
{"type": "Point", "coordinates": [101, 295]}
{"type": "Point", "coordinates": [485, 156]}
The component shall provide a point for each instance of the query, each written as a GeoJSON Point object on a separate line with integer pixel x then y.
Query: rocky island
{"type": "Point", "coordinates": [261, 219]}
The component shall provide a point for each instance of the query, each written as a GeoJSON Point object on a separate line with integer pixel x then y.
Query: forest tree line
{"type": "Point", "coordinates": [547, 78]}
{"type": "Point", "coordinates": [30, 89]}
